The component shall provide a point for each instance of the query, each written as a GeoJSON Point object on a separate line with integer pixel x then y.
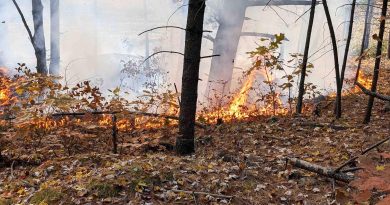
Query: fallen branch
{"type": "Point", "coordinates": [353, 159]}
{"type": "Point", "coordinates": [373, 94]}
{"type": "Point", "coordinates": [324, 171]}
{"type": "Point", "coordinates": [202, 193]}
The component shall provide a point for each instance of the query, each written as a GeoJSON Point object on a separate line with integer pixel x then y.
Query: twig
{"type": "Point", "coordinates": [352, 169]}
{"type": "Point", "coordinates": [210, 56]}
{"type": "Point", "coordinates": [177, 93]}
{"type": "Point", "coordinates": [374, 146]}
{"type": "Point", "coordinates": [202, 193]}
{"type": "Point", "coordinates": [174, 52]}
{"type": "Point", "coordinates": [177, 27]}
{"type": "Point", "coordinates": [12, 169]}
{"type": "Point", "coordinates": [346, 164]}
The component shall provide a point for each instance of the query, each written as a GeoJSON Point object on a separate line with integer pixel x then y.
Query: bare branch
{"type": "Point", "coordinates": [160, 27]}
{"type": "Point", "coordinates": [373, 94]}
{"type": "Point", "coordinates": [24, 22]}
{"type": "Point", "coordinates": [211, 56]}
{"type": "Point", "coordinates": [156, 53]}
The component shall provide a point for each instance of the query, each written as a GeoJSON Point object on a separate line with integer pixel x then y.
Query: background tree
{"type": "Point", "coordinates": [185, 143]}
{"type": "Point", "coordinates": [38, 39]}
{"type": "Point", "coordinates": [305, 58]}
{"type": "Point", "coordinates": [231, 17]}
{"type": "Point", "coordinates": [54, 37]}
{"type": "Point", "coordinates": [378, 56]}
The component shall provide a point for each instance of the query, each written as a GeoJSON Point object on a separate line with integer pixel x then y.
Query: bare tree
{"type": "Point", "coordinates": [54, 37]}
{"type": "Point", "coordinates": [38, 39]}
{"type": "Point", "coordinates": [305, 58]}
{"type": "Point", "coordinates": [378, 56]}
{"type": "Point", "coordinates": [336, 60]}
{"type": "Point", "coordinates": [185, 143]}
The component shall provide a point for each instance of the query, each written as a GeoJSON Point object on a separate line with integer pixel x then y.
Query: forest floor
{"type": "Point", "coordinates": [245, 160]}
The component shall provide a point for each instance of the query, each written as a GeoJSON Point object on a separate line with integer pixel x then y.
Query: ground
{"type": "Point", "coordinates": [243, 162]}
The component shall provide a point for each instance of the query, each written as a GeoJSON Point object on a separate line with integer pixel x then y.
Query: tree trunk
{"type": "Point", "coordinates": [54, 37]}
{"type": "Point", "coordinates": [185, 143]}
{"type": "Point", "coordinates": [39, 36]}
{"type": "Point", "coordinates": [368, 20]}
{"type": "Point", "coordinates": [305, 58]}
{"type": "Point", "coordinates": [388, 47]}
{"type": "Point", "coordinates": [367, 25]}
{"type": "Point", "coordinates": [336, 59]}
{"type": "Point", "coordinates": [226, 45]}
{"type": "Point", "coordinates": [350, 29]}
{"type": "Point", "coordinates": [147, 42]}
{"type": "Point", "coordinates": [377, 62]}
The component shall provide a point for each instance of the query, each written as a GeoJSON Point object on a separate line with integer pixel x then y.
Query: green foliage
{"type": "Point", "coordinates": [103, 189]}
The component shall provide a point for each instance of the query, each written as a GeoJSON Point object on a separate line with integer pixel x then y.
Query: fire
{"type": "Point", "coordinates": [364, 80]}
{"type": "Point", "coordinates": [241, 97]}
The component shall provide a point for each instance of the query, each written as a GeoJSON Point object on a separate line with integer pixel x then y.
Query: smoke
{"type": "Point", "coordinates": [97, 36]}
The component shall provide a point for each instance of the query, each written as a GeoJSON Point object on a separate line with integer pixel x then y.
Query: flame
{"type": "Point", "coordinates": [241, 97]}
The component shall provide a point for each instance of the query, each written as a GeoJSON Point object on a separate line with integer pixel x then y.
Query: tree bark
{"type": "Point", "coordinates": [305, 58]}
{"type": "Point", "coordinates": [39, 36]}
{"type": "Point", "coordinates": [368, 20]}
{"type": "Point", "coordinates": [350, 29]}
{"type": "Point", "coordinates": [226, 44]}
{"type": "Point", "coordinates": [378, 55]}
{"type": "Point", "coordinates": [54, 37]}
{"type": "Point", "coordinates": [336, 59]}
{"type": "Point", "coordinates": [185, 143]}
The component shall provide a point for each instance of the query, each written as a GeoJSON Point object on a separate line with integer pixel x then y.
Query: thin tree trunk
{"type": "Point", "coordinates": [350, 29]}
{"type": "Point", "coordinates": [185, 143]}
{"type": "Point", "coordinates": [336, 59]}
{"type": "Point", "coordinates": [147, 43]}
{"type": "Point", "coordinates": [388, 47]}
{"type": "Point", "coordinates": [363, 47]}
{"type": "Point", "coordinates": [305, 58]}
{"type": "Point", "coordinates": [54, 37]}
{"type": "Point", "coordinates": [377, 62]}
{"type": "Point", "coordinates": [369, 16]}
{"type": "Point", "coordinates": [39, 36]}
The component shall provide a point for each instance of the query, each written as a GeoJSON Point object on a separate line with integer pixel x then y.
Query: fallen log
{"type": "Point", "coordinates": [323, 171]}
